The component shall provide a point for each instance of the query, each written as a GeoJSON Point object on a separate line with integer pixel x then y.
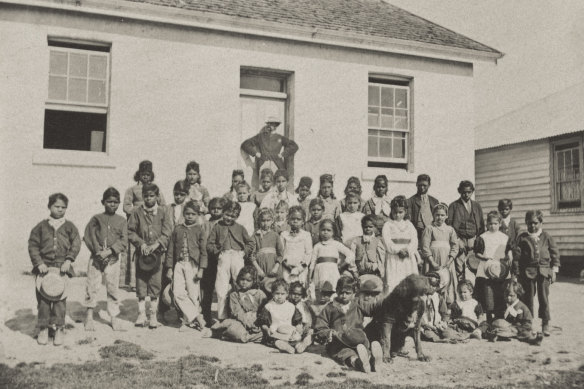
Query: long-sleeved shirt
{"type": "Point", "coordinates": [341, 318]}
{"type": "Point", "coordinates": [369, 255]}
{"type": "Point", "coordinates": [532, 255]}
{"type": "Point", "coordinates": [148, 228]}
{"type": "Point", "coordinates": [133, 199]}
{"type": "Point", "coordinates": [332, 249]}
{"type": "Point", "coordinates": [244, 306]}
{"type": "Point", "coordinates": [52, 248]}
{"type": "Point", "coordinates": [297, 248]}
{"type": "Point", "coordinates": [106, 231]}
{"type": "Point", "coordinates": [233, 237]}
{"type": "Point", "coordinates": [196, 245]}
{"type": "Point", "coordinates": [269, 146]}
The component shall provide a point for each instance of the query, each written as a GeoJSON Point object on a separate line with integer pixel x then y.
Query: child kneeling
{"type": "Point", "coordinates": [282, 322]}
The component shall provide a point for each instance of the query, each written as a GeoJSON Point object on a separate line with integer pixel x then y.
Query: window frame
{"type": "Point", "coordinates": [554, 144]}
{"type": "Point", "coordinates": [396, 82]}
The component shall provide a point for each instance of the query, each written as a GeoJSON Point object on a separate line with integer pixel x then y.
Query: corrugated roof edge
{"type": "Point", "coordinates": [554, 134]}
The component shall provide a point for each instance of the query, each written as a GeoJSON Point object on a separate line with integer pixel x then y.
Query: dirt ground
{"type": "Point", "coordinates": [472, 364]}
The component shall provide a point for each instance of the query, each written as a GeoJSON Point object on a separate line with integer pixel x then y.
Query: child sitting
{"type": "Point", "coordinates": [196, 192]}
{"type": "Point", "coordinates": [332, 207]}
{"type": "Point", "coordinates": [327, 294]}
{"type": "Point", "coordinates": [187, 255]}
{"type": "Point", "coordinates": [282, 323]}
{"type": "Point", "coordinates": [269, 249]}
{"type": "Point", "coordinates": [247, 215]}
{"type": "Point", "coordinates": [303, 192]}
{"type": "Point", "coordinates": [369, 249]}
{"type": "Point", "coordinates": [379, 204]}
{"type": "Point", "coordinates": [435, 318]}
{"type": "Point", "coordinates": [466, 313]}
{"type": "Point", "coordinates": [180, 192]}
{"type": "Point", "coordinates": [53, 245]}
{"type": "Point", "coordinates": [266, 183]}
{"type": "Point", "coordinates": [106, 237]}
{"type": "Point", "coordinates": [297, 248]}
{"type": "Point", "coordinates": [326, 263]}
{"type": "Point", "coordinates": [281, 220]}
{"type": "Point", "coordinates": [229, 242]}
{"type": "Point", "coordinates": [244, 303]}
{"type": "Point", "coordinates": [280, 192]}
{"type": "Point", "coordinates": [370, 288]}
{"type": "Point", "coordinates": [313, 224]}
{"type": "Point", "coordinates": [349, 222]}
{"type": "Point", "coordinates": [208, 282]}
{"type": "Point", "coordinates": [353, 186]}
{"type": "Point", "coordinates": [298, 296]}
{"type": "Point", "coordinates": [517, 319]}
{"type": "Point", "coordinates": [340, 327]}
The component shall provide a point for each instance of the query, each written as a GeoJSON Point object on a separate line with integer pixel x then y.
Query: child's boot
{"type": "Point", "coordinates": [153, 313]}
{"type": "Point", "coordinates": [43, 337]}
{"type": "Point", "coordinates": [89, 323]}
{"type": "Point", "coordinates": [59, 336]}
{"type": "Point", "coordinates": [141, 320]}
{"type": "Point", "coordinates": [545, 327]}
{"type": "Point", "coordinates": [364, 361]}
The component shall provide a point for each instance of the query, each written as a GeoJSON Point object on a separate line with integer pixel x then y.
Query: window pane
{"type": "Point", "coordinates": [385, 147]}
{"type": "Point", "coordinates": [401, 98]}
{"type": "Point", "coordinates": [386, 118]}
{"type": "Point", "coordinates": [372, 145]}
{"type": "Point", "coordinates": [373, 95]}
{"type": "Point", "coordinates": [373, 117]}
{"type": "Point", "coordinates": [399, 145]}
{"type": "Point", "coordinates": [78, 90]}
{"type": "Point", "coordinates": [57, 88]}
{"type": "Point", "coordinates": [271, 84]}
{"type": "Point", "coordinates": [387, 97]}
{"type": "Point", "coordinates": [58, 63]}
{"type": "Point", "coordinates": [401, 119]}
{"type": "Point", "coordinates": [96, 92]}
{"type": "Point", "coordinates": [78, 65]}
{"type": "Point", "coordinates": [97, 66]}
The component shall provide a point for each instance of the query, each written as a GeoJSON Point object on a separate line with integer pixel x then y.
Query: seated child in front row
{"type": "Point", "coordinates": [299, 297]}
{"type": "Point", "coordinates": [467, 313]}
{"type": "Point", "coordinates": [53, 244]}
{"type": "Point", "coordinates": [244, 303]}
{"type": "Point", "coordinates": [186, 260]}
{"type": "Point", "coordinates": [340, 327]}
{"type": "Point", "coordinates": [282, 323]}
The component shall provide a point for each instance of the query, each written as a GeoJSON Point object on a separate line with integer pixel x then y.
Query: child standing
{"type": "Point", "coordinates": [281, 322]}
{"type": "Point", "coordinates": [247, 215]}
{"type": "Point", "coordinates": [187, 255]}
{"type": "Point", "coordinates": [266, 183]}
{"type": "Point", "coordinates": [537, 262]}
{"type": "Point", "coordinates": [244, 303]}
{"type": "Point", "coordinates": [379, 204]}
{"type": "Point", "coordinates": [508, 225]}
{"type": "Point", "coordinates": [230, 242]}
{"type": "Point", "coordinates": [491, 246]}
{"type": "Point", "coordinates": [440, 247]}
{"type": "Point", "coordinates": [267, 255]}
{"type": "Point", "coordinates": [281, 212]}
{"type": "Point", "coordinates": [326, 262]}
{"type": "Point", "coordinates": [52, 246]}
{"type": "Point", "coordinates": [297, 248]}
{"type": "Point", "coordinates": [180, 192]}
{"type": "Point", "coordinates": [237, 177]}
{"type": "Point", "coordinates": [349, 222]}
{"type": "Point", "coordinates": [208, 282]}
{"type": "Point", "coordinates": [332, 207]}
{"type": "Point", "coordinates": [353, 186]}
{"type": "Point", "coordinates": [369, 249]}
{"type": "Point", "coordinates": [149, 230]}
{"type": "Point", "coordinates": [303, 192]}
{"type": "Point", "coordinates": [340, 327]}
{"type": "Point", "coordinates": [313, 224]}
{"type": "Point", "coordinates": [106, 237]}
{"type": "Point", "coordinates": [197, 192]}
{"type": "Point", "coordinates": [280, 192]}
{"type": "Point", "coordinates": [401, 240]}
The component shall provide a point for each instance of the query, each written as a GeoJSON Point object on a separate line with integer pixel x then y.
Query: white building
{"type": "Point", "coordinates": [92, 87]}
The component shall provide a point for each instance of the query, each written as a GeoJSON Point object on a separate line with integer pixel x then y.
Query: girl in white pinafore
{"type": "Point", "coordinates": [401, 242]}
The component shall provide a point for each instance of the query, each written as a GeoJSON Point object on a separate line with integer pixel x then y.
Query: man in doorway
{"type": "Point", "coordinates": [421, 205]}
{"type": "Point", "coordinates": [268, 146]}
{"type": "Point", "coordinates": [466, 217]}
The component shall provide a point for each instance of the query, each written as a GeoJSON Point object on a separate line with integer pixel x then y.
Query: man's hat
{"type": "Point", "coordinates": [370, 283]}
{"type": "Point", "coordinates": [52, 285]}
{"type": "Point", "coordinates": [267, 283]}
{"type": "Point", "coordinates": [353, 337]}
{"type": "Point", "coordinates": [502, 328]}
{"type": "Point", "coordinates": [145, 166]}
{"type": "Point", "coordinates": [472, 262]}
{"type": "Point", "coordinates": [496, 270]}
{"type": "Point", "coordinates": [148, 263]}
{"type": "Point", "coordinates": [273, 119]}
{"type": "Point", "coordinates": [327, 287]}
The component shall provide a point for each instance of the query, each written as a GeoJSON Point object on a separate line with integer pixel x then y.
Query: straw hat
{"type": "Point", "coordinates": [496, 270]}
{"type": "Point", "coordinates": [285, 332]}
{"type": "Point", "coordinates": [503, 328]}
{"type": "Point", "coordinates": [52, 285]}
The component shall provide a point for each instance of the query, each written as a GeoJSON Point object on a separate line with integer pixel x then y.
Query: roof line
{"type": "Point", "coordinates": [237, 25]}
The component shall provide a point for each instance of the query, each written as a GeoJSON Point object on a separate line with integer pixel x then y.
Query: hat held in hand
{"type": "Point", "coordinates": [496, 270]}
{"type": "Point", "coordinates": [52, 285]}
{"type": "Point", "coordinates": [353, 337]}
{"type": "Point", "coordinates": [148, 263]}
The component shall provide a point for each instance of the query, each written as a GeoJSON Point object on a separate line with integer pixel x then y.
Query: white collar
{"type": "Point", "coordinates": [56, 223]}
{"type": "Point", "coordinates": [153, 210]}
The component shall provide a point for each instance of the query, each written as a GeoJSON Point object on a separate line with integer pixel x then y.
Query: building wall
{"type": "Point", "coordinates": [521, 173]}
{"type": "Point", "coordinates": [175, 97]}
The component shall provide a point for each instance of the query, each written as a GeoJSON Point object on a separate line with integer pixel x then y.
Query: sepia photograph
{"type": "Point", "coordinates": [331, 194]}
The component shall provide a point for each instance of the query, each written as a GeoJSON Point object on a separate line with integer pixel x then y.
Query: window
{"type": "Point", "coordinates": [78, 96]}
{"type": "Point", "coordinates": [389, 121]}
{"type": "Point", "coordinates": [567, 175]}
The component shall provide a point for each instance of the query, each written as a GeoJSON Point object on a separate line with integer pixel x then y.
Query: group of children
{"type": "Point", "coordinates": [288, 269]}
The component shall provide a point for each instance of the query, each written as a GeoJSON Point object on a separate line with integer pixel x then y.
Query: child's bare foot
{"type": "Point", "coordinates": [89, 323]}
{"type": "Point", "coordinates": [376, 356]}
{"type": "Point", "coordinates": [363, 358]}
{"type": "Point", "coordinates": [284, 347]}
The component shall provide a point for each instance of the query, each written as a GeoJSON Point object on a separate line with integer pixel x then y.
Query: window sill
{"type": "Point", "coordinates": [394, 175]}
{"type": "Point", "coordinates": [73, 158]}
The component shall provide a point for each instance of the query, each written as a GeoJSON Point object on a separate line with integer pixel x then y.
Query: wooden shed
{"type": "Point", "coordinates": [534, 157]}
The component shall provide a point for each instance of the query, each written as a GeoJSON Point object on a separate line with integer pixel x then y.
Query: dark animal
{"type": "Point", "coordinates": [401, 316]}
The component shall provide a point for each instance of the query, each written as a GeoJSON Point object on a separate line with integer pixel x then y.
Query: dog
{"type": "Point", "coordinates": [401, 316]}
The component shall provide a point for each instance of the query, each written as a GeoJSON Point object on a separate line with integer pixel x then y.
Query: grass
{"type": "Point", "coordinates": [126, 364]}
